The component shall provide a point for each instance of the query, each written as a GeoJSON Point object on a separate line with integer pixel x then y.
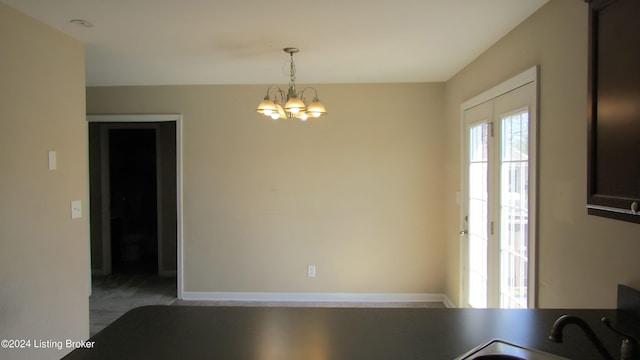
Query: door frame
{"type": "Point", "coordinates": [142, 119]}
{"type": "Point", "coordinates": [528, 76]}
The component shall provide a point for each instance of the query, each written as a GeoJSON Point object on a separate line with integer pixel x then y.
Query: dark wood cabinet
{"type": "Point", "coordinates": [613, 179]}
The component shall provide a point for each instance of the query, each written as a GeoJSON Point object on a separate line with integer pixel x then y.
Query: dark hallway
{"type": "Point", "coordinates": [134, 212]}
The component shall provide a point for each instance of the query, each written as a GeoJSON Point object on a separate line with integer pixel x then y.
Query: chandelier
{"type": "Point", "coordinates": [290, 104]}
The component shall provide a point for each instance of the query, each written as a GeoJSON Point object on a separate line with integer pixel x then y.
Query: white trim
{"type": "Point", "coordinates": [161, 118]}
{"type": "Point", "coordinates": [134, 118]}
{"type": "Point", "coordinates": [527, 76]}
{"type": "Point", "coordinates": [179, 223]}
{"type": "Point", "coordinates": [462, 223]}
{"type": "Point", "coordinates": [316, 297]}
{"type": "Point", "coordinates": [447, 302]}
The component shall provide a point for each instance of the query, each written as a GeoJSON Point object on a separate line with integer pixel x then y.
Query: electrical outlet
{"type": "Point", "coordinates": [76, 209]}
{"type": "Point", "coordinates": [311, 271]}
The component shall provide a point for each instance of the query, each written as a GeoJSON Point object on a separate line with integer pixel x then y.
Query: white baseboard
{"type": "Point", "coordinates": [447, 302]}
{"type": "Point", "coordinates": [316, 297]}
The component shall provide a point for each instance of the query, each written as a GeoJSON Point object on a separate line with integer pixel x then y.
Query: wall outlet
{"type": "Point", "coordinates": [311, 271]}
{"type": "Point", "coordinates": [76, 209]}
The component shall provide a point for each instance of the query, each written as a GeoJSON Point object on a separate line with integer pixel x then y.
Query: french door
{"type": "Point", "coordinates": [498, 211]}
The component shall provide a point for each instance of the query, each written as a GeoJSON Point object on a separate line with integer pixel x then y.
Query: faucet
{"type": "Point", "coordinates": [628, 350]}
{"type": "Point", "coordinates": [562, 321]}
{"type": "Point", "coordinates": [629, 344]}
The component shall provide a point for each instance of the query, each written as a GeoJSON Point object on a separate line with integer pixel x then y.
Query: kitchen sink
{"type": "Point", "coordinates": [501, 350]}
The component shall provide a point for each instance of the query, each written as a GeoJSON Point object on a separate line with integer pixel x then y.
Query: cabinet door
{"type": "Point", "coordinates": [614, 109]}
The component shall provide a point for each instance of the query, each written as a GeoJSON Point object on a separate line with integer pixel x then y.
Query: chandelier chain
{"type": "Point", "coordinates": [292, 76]}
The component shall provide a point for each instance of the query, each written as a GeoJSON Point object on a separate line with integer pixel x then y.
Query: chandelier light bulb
{"type": "Point", "coordinates": [267, 106]}
{"type": "Point", "coordinates": [316, 108]}
{"type": "Point", "coordinates": [294, 105]}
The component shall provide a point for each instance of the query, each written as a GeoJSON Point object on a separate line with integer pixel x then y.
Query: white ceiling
{"type": "Point", "coordinates": [156, 42]}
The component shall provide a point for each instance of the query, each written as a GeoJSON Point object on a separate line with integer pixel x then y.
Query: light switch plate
{"type": "Point", "coordinates": [76, 209]}
{"type": "Point", "coordinates": [53, 163]}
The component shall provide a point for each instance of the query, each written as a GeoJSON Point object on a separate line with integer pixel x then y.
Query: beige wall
{"type": "Point", "coordinates": [44, 280]}
{"type": "Point", "coordinates": [359, 193]}
{"type": "Point", "coordinates": [356, 193]}
{"type": "Point", "coordinates": [581, 258]}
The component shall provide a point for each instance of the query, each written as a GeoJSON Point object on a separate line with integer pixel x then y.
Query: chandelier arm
{"type": "Point", "coordinates": [283, 96]}
{"type": "Point", "coordinates": [268, 96]}
{"type": "Point", "coordinates": [315, 93]}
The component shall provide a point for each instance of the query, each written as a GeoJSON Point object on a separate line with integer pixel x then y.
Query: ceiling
{"type": "Point", "coordinates": [158, 42]}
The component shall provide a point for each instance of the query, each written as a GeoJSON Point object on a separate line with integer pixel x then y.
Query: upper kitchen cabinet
{"type": "Point", "coordinates": [613, 182]}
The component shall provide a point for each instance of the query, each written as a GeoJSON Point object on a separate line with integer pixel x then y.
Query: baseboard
{"type": "Point", "coordinates": [447, 302]}
{"type": "Point", "coordinates": [316, 297]}
{"type": "Point", "coordinates": [168, 273]}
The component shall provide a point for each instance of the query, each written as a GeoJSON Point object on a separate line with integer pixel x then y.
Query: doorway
{"type": "Point", "coordinates": [134, 197]}
{"type": "Point", "coordinates": [135, 187]}
{"type": "Point", "coordinates": [499, 193]}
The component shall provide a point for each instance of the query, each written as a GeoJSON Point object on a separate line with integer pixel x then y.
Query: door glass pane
{"type": "Point", "coordinates": [514, 204]}
{"type": "Point", "coordinates": [478, 215]}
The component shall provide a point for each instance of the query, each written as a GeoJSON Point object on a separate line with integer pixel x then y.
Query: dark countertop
{"type": "Point", "coordinates": [289, 333]}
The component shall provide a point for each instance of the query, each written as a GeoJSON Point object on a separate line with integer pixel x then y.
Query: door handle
{"type": "Point", "coordinates": [464, 232]}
